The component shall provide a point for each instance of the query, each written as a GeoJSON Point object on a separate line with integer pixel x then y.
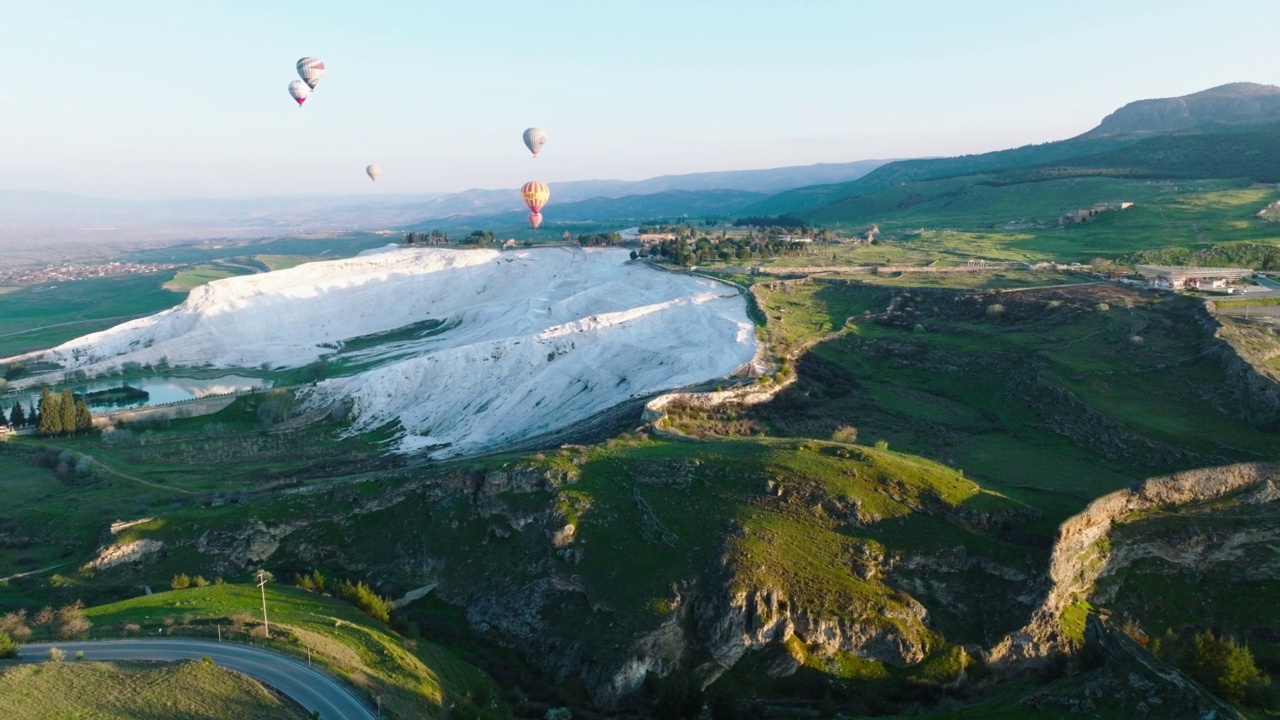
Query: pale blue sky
{"type": "Point", "coordinates": [146, 99]}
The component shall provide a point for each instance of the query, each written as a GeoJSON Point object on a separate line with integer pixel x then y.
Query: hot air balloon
{"type": "Point", "coordinates": [299, 91]}
{"type": "Point", "coordinates": [373, 171]}
{"type": "Point", "coordinates": [310, 70]}
{"type": "Point", "coordinates": [535, 195]}
{"type": "Point", "coordinates": [535, 219]}
{"type": "Point", "coordinates": [534, 139]}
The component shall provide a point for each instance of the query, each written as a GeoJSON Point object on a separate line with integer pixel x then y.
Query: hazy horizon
{"type": "Point", "coordinates": [145, 100]}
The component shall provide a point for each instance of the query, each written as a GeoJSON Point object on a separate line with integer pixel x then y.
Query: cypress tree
{"type": "Point", "coordinates": [67, 410]}
{"type": "Point", "coordinates": [84, 418]}
{"type": "Point", "coordinates": [17, 417]}
{"type": "Point", "coordinates": [50, 417]}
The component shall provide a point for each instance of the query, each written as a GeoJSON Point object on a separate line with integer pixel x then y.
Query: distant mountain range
{"type": "Point", "coordinates": [669, 204]}
{"type": "Point", "coordinates": [38, 216]}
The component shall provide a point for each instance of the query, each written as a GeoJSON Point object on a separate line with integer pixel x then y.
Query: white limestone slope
{"type": "Point", "coordinates": [537, 341]}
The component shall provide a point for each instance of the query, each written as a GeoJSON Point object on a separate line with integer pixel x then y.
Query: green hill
{"type": "Point", "coordinates": [194, 690]}
{"type": "Point", "coordinates": [414, 679]}
{"type": "Point", "coordinates": [807, 199]}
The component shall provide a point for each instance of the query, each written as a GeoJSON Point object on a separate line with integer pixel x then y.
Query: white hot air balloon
{"type": "Point", "coordinates": [373, 171]}
{"type": "Point", "coordinates": [534, 139]}
{"type": "Point", "coordinates": [311, 70]}
{"type": "Point", "coordinates": [299, 91]}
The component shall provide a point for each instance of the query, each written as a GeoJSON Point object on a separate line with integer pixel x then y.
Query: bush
{"type": "Point", "coordinates": [8, 646]}
{"type": "Point", "coordinates": [846, 434]}
{"type": "Point", "coordinates": [14, 625]}
{"type": "Point", "coordinates": [995, 310]}
{"type": "Point", "coordinates": [199, 581]}
{"type": "Point", "coordinates": [56, 655]}
{"type": "Point", "coordinates": [275, 408]}
{"type": "Point", "coordinates": [180, 582]}
{"type": "Point", "coordinates": [74, 628]}
{"type": "Point", "coordinates": [882, 444]}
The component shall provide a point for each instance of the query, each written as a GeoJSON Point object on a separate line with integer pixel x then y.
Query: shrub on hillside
{"type": "Point", "coordinates": [72, 622]}
{"type": "Point", "coordinates": [180, 582]}
{"type": "Point", "coordinates": [846, 434]}
{"type": "Point", "coordinates": [8, 646]}
{"type": "Point", "coordinates": [14, 624]}
{"type": "Point", "coordinates": [275, 408]}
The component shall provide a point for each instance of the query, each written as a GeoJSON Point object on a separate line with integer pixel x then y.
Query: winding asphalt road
{"type": "Point", "coordinates": [308, 687]}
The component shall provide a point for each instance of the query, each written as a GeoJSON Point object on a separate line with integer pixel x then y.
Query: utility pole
{"type": "Point", "coordinates": [262, 586]}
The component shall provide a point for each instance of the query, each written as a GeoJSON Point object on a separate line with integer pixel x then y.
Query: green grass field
{"type": "Point", "coordinates": [194, 690]}
{"type": "Point", "coordinates": [40, 316]}
{"type": "Point", "coordinates": [187, 280]}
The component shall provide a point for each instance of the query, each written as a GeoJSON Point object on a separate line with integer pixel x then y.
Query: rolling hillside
{"type": "Point", "coordinates": [1228, 132]}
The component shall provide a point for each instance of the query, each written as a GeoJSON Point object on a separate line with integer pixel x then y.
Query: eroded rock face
{"type": "Point", "coordinates": [250, 547]}
{"type": "Point", "coordinates": [747, 620]}
{"type": "Point", "coordinates": [1083, 552]}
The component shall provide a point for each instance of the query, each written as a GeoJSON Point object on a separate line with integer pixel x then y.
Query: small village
{"type": "Point", "coordinates": [68, 271]}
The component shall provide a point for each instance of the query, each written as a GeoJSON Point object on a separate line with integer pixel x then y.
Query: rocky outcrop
{"type": "Point", "coordinates": [746, 620]}
{"type": "Point", "coordinates": [1083, 552]}
{"type": "Point", "coordinates": [134, 551]}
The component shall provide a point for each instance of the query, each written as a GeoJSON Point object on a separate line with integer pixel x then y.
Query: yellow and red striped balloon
{"type": "Point", "coordinates": [535, 195]}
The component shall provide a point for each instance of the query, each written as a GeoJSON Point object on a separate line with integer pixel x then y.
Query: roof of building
{"type": "Point", "coordinates": [1183, 273]}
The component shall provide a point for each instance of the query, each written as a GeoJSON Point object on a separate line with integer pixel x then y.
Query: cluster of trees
{"type": "Point", "coordinates": [358, 594]}
{"type": "Point", "coordinates": [703, 250]}
{"type": "Point", "coordinates": [67, 622]}
{"type": "Point", "coordinates": [62, 414]}
{"type": "Point", "coordinates": [1220, 664]}
{"type": "Point", "coordinates": [483, 238]}
{"type": "Point", "coordinates": [599, 239]}
{"type": "Point", "coordinates": [789, 223]}
{"type": "Point", "coordinates": [435, 237]}
{"type": "Point", "coordinates": [20, 417]}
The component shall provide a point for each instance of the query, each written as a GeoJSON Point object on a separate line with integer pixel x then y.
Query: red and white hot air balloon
{"type": "Point", "coordinates": [311, 70]}
{"type": "Point", "coordinates": [534, 139]}
{"type": "Point", "coordinates": [535, 219]}
{"type": "Point", "coordinates": [299, 91]}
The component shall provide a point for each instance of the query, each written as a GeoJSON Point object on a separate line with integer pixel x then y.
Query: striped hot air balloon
{"type": "Point", "coordinates": [535, 219]}
{"type": "Point", "coordinates": [535, 195]}
{"type": "Point", "coordinates": [299, 91]}
{"type": "Point", "coordinates": [534, 139]}
{"type": "Point", "coordinates": [311, 70]}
